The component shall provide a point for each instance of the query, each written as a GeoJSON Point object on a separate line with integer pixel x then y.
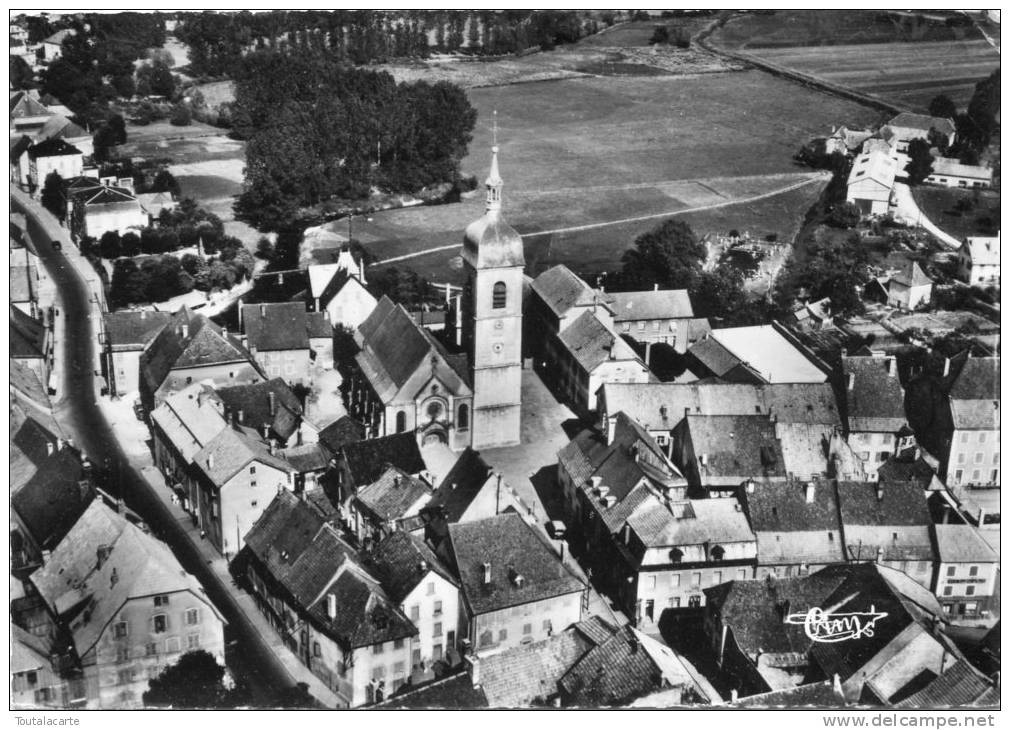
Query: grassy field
{"type": "Point", "coordinates": [870, 52]}
{"type": "Point", "coordinates": [938, 203]}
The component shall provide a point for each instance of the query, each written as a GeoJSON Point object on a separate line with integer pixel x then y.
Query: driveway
{"type": "Point", "coordinates": [907, 208]}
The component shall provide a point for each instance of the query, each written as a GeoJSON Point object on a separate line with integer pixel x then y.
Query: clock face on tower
{"type": "Point", "coordinates": [497, 347]}
{"type": "Point", "coordinates": [498, 324]}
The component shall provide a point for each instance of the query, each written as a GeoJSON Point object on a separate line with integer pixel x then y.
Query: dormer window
{"type": "Point", "coordinates": [676, 555]}
{"type": "Point", "coordinates": [717, 553]}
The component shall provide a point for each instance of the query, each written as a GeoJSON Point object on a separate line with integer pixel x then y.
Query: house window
{"type": "Point", "coordinates": [994, 477]}
{"type": "Point", "coordinates": [717, 577]}
{"type": "Point", "coordinates": [964, 437]}
{"type": "Point", "coordinates": [626, 326]}
{"type": "Point", "coordinates": [675, 580]}
{"type": "Point", "coordinates": [995, 458]}
{"type": "Point", "coordinates": [981, 437]}
{"type": "Point", "coordinates": [951, 570]}
{"type": "Point", "coordinates": [947, 590]}
{"type": "Point", "coordinates": [120, 630]}
{"type": "Point", "coordinates": [499, 295]}
{"type": "Point", "coordinates": [650, 582]}
{"type": "Point", "coordinates": [641, 326]}
{"type": "Point", "coordinates": [161, 600]}
{"type": "Point", "coordinates": [741, 574]}
{"type": "Point", "coordinates": [398, 644]}
{"type": "Point", "coordinates": [650, 609]}
{"type": "Point", "coordinates": [124, 676]}
{"type": "Point", "coordinates": [975, 475]}
{"type": "Point", "coordinates": [694, 602]}
{"type": "Point", "coordinates": [676, 555]}
{"type": "Point", "coordinates": [151, 649]}
{"type": "Point", "coordinates": [675, 602]}
{"type": "Point", "coordinates": [973, 571]}
{"type": "Point", "coordinates": [436, 652]}
{"type": "Point", "coordinates": [401, 421]}
{"type": "Point", "coordinates": [463, 419]}
{"type": "Point", "coordinates": [527, 628]}
{"type": "Point", "coordinates": [415, 613]}
{"type": "Point", "coordinates": [486, 638]}
{"type": "Point", "coordinates": [192, 616]}
{"type": "Point", "coordinates": [431, 588]}
{"type": "Point", "coordinates": [503, 634]}
{"type": "Point", "coordinates": [122, 655]}
{"type": "Point", "coordinates": [655, 326]}
{"type": "Point", "coordinates": [437, 630]}
{"type": "Point", "coordinates": [695, 579]}
{"type": "Point", "coordinates": [438, 608]}
{"type": "Point", "coordinates": [718, 552]}
{"type": "Point", "coordinates": [159, 623]}
{"type": "Point", "coordinates": [978, 457]}
{"type": "Point", "coordinates": [958, 476]}
{"type": "Point", "coordinates": [969, 591]}
{"type": "Point", "coordinates": [252, 469]}
{"type": "Point", "coordinates": [192, 641]}
{"type": "Point", "coordinates": [172, 645]}
{"type": "Point", "coordinates": [377, 648]}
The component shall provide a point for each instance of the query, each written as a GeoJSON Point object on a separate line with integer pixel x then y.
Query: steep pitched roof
{"type": "Point", "coordinates": [959, 686]}
{"type": "Point", "coordinates": [690, 522]}
{"type": "Point", "coordinates": [341, 432]}
{"type": "Point", "coordinates": [402, 561]}
{"type": "Point", "coordinates": [659, 304]}
{"type": "Point", "coordinates": [58, 126]}
{"type": "Point", "coordinates": [454, 692]}
{"type": "Point", "coordinates": [460, 486]}
{"type": "Point", "coordinates": [27, 336]}
{"type": "Point", "coordinates": [560, 289]}
{"type": "Point", "coordinates": [230, 451]}
{"type": "Point", "coordinates": [911, 275]}
{"type": "Point", "coordinates": [190, 419]}
{"type": "Point", "coordinates": [512, 549]}
{"type": "Point", "coordinates": [276, 326]}
{"type": "Point", "coordinates": [319, 325]}
{"type": "Point", "coordinates": [28, 652]}
{"type": "Point", "coordinates": [736, 446]}
{"type": "Point", "coordinates": [876, 165]}
{"type": "Point", "coordinates": [978, 379]}
{"type": "Point", "coordinates": [24, 381]}
{"type": "Point", "coordinates": [962, 544]}
{"type": "Point", "coordinates": [282, 533]}
{"type": "Point", "coordinates": [367, 459]}
{"type": "Point", "coordinates": [269, 403]}
{"type": "Point", "coordinates": [133, 330]}
{"type": "Point", "coordinates": [894, 525]}
{"type": "Point", "coordinates": [874, 398]}
{"type": "Point", "coordinates": [924, 122]}
{"type": "Point", "coordinates": [53, 498]}
{"type": "Point", "coordinates": [54, 147]}
{"type": "Point", "coordinates": [592, 344]}
{"type": "Point", "coordinates": [791, 529]}
{"type": "Point", "coordinates": [391, 496]}
{"type": "Point", "coordinates": [24, 283]}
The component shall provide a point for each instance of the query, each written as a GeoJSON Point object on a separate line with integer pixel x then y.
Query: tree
{"type": "Point", "coordinates": [22, 76]}
{"type": "Point", "coordinates": [117, 125]}
{"type": "Point", "coordinates": [129, 244]}
{"type": "Point", "coordinates": [181, 115]}
{"type": "Point", "coordinates": [165, 182]}
{"type": "Point", "coordinates": [54, 195]}
{"type": "Point", "coordinates": [920, 162]}
{"type": "Point", "coordinates": [110, 245]}
{"type": "Point", "coordinates": [844, 215]}
{"type": "Point", "coordinates": [942, 106]}
{"type": "Point", "coordinates": [195, 681]}
{"type": "Point", "coordinates": [669, 255]}
{"type": "Point", "coordinates": [264, 249]}
{"type": "Point", "coordinates": [660, 35]}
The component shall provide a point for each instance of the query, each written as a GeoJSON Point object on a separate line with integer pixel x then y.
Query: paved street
{"type": "Point", "coordinates": [249, 658]}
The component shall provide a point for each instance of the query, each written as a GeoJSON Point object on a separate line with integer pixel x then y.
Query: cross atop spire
{"type": "Point", "coordinates": [494, 181]}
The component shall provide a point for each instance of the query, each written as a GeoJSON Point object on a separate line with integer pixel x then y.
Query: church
{"type": "Point", "coordinates": [405, 380]}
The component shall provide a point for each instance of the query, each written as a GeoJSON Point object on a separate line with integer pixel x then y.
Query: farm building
{"type": "Point", "coordinates": [53, 155]}
{"type": "Point", "coordinates": [908, 126]}
{"type": "Point", "coordinates": [953, 174]}
{"type": "Point", "coordinates": [845, 141]}
{"type": "Point", "coordinates": [978, 260]}
{"type": "Point", "coordinates": [909, 288]}
{"type": "Point", "coordinates": [871, 181]}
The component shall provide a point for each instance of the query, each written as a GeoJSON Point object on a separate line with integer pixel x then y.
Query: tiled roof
{"type": "Point", "coordinates": [306, 458]}
{"type": "Point", "coordinates": [805, 448]}
{"type": "Point", "coordinates": [229, 452]}
{"type": "Point", "coordinates": [736, 446]}
{"type": "Point", "coordinates": [690, 522]}
{"type": "Point", "coordinates": [783, 507]}
{"type": "Point", "coordinates": [343, 431]}
{"type": "Point", "coordinates": [190, 418]}
{"type": "Point", "coordinates": [817, 694]}
{"type": "Point", "coordinates": [561, 289]}
{"type": "Point", "coordinates": [319, 325]}
{"type": "Point", "coordinates": [975, 414]}
{"type": "Point", "coordinates": [661, 406]}
{"type": "Point", "coordinates": [592, 344]}
{"type": "Point", "coordinates": [282, 533]}
{"type": "Point", "coordinates": [317, 499]}
{"type": "Point", "coordinates": [978, 379]}
{"type": "Point", "coordinates": [512, 548]}
{"type": "Point", "coordinates": [664, 304]}
{"type": "Point", "coordinates": [715, 356]}
{"type": "Point", "coordinates": [27, 336]}
{"type": "Point", "coordinates": [402, 561]}
{"type": "Point", "coordinates": [392, 495]}
{"type": "Point", "coordinates": [254, 402]}
{"type": "Point", "coordinates": [54, 147]}
{"type": "Point", "coordinates": [900, 503]}
{"type": "Point", "coordinates": [188, 341]}
{"type": "Point", "coordinates": [133, 330]}
{"type": "Point", "coordinates": [962, 544]}
{"type": "Point", "coordinates": [875, 400]}
{"type": "Point", "coordinates": [897, 469]}
{"type": "Point", "coordinates": [983, 251]}
{"type": "Point", "coordinates": [960, 686]}
{"type": "Point", "coordinates": [454, 692]}
{"type": "Point", "coordinates": [52, 499]}
{"type": "Point", "coordinates": [277, 326]}
{"type": "Point", "coordinates": [523, 675]}
{"type": "Point", "coordinates": [912, 275]}
{"type": "Point", "coordinates": [24, 380]}
{"type": "Point", "coordinates": [367, 459]}
{"type": "Point", "coordinates": [23, 104]}
{"type": "Point", "coordinates": [460, 487]}
{"type": "Point", "coordinates": [769, 352]}
{"type": "Point", "coordinates": [910, 120]}
{"type": "Point", "coordinates": [18, 146]}
{"type": "Point", "coordinates": [29, 653]}
{"type": "Point", "coordinates": [24, 283]}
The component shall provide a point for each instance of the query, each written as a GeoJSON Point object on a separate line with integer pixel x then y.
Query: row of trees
{"type": "Point", "coordinates": [161, 277]}
{"type": "Point", "coordinates": [218, 41]}
{"type": "Point", "coordinates": [976, 125]}
{"type": "Point", "coordinates": [319, 130]}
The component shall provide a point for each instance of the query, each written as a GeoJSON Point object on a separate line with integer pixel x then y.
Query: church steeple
{"type": "Point", "coordinates": [494, 184]}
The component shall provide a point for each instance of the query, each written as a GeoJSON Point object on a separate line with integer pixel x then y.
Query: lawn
{"type": "Point", "coordinates": [938, 204]}
{"type": "Point", "coordinates": [888, 55]}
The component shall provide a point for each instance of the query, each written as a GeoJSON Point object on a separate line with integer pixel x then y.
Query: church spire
{"type": "Point", "coordinates": [494, 181]}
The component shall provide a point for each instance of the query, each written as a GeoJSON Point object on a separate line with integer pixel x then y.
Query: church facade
{"type": "Point", "coordinates": [406, 380]}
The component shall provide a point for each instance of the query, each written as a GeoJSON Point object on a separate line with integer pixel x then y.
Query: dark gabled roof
{"type": "Point", "coordinates": [897, 469]}
{"type": "Point", "coordinates": [319, 325]}
{"type": "Point", "coordinates": [345, 430]}
{"type": "Point", "coordinates": [367, 459]}
{"type": "Point", "coordinates": [454, 692]}
{"type": "Point", "coordinates": [23, 104]}
{"type": "Point", "coordinates": [253, 400]}
{"type": "Point", "coordinates": [783, 507]}
{"type": "Point", "coordinates": [55, 496]}
{"type": "Point", "coordinates": [901, 503]}
{"type": "Point", "coordinates": [817, 694]}
{"type": "Point", "coordinates": [27, 336]}
{"type": "Point", "coordinates": [306, 458]}
{"type": "Point", "coordinates": [560, 289]}
{"type": "Point", "coordinates": [460, 486]}
{"type": "Point", "coordinates": [19, 146]}
{"type": "Point", "coordinates": [911, 275]}
{"type": "Point", "coordinates": [733, 446]}
{"type": "Point", "coordinates": [24, 380]}
{"type": "Point", "coordinates": [54, 147]}
{"type": "Point", "coordinates": [391, 496]}
{"type": "Point", "coordinates": [318, 563]}
{"type": "Point", "coordinates": [714, 356]}
{"type": "Point", "coordinates": [960, 686]}
{"type": "Point", "coordinates": [652, 304]}
{"type": "Point", "coordinates": [188, 341]}
{"type": "Point", "coordinates": [317, 499]}
{"type": "Point", "coordinates": [615, 672]}
{"type": "Point", "coordinates": [512, 548]}
{"type": "Point", "coordinates": [282, 533]}
{"type": "Point", "coordinates": [398, 344]}
{"type": "Point", "coordinates": [978, 379]}
{"type": "Point", "coordinates": [402, 561]}
{"type": "Point", "coordinates": [591, 344]}
{"type": "Point", "coordinates": [133, 329]}
{"type": "Point", "coordinates": [755, 610]}
{"type": "Point", "coordinates": [277, 326]}
{"type": "Point", "coordinates": [911, 120]}
{"type": "Point", "coordinates": [874, 398]}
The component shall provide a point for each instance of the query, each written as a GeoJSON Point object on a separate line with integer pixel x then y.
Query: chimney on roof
{"type": "Point", "coordinates": [487, 574]}
{"type": "Point", "coordinates": [239, 313]}
{"type": "Point", "coordinates": [185, 331]}
{"type": "Point", "coordinates": [880, 554]}
{"type": "Point", "coordinates": [263, 310]}
{"type": "Point", "coordinates": [50, 448]}
{"type": "Point", "coordinates": [749, 485]}
{"type": "Point", "coordinates": [272, 446]}
{"type": "Point", "coordinates": [703, 459]}
{"type": "Point", "coordinates": [210, 461]}
{"type": "Point", "coordinates": [143, 314]}
{"type": "Point", "coordinates": [472, 664]}
{"type": "Point", "coordinates": [810, 491]}
{"type": "Point", "coordinates": [102, 554]}
{"type": "Point", "coordinates": [280, 278]}
{"type": "Point", "coordinates": [852, 381]}
{"type": "Point", "coordinates": [396, 481]}
{"type": "Point", "coordinates": [241, 416]}
{"type": "Point", "coordinates": [231, 419]}
{"type": "Point", "coordinates": [892, 366]}
{"type": "Point", "coordinates": [266, 431]}
{"type": "Point", "coordinates": [946, 366]}
{"type": "Point", "coordinates": [880, 492]}
{"type": "Point", "coordinates": [272, 397]}
{"type": "Point", "coordinates": [331, 606]}
{"type": "Point", "coordinates": [422, 567]}
{"type": "Point", "coordinates": [635, 644]}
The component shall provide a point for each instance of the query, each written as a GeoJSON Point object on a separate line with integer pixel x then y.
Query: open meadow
{"type": "Point", "coordinates": [888, 55]}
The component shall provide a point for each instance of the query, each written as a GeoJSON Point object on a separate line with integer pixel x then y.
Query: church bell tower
{"type": "Point", "coordinates": [492, 319]}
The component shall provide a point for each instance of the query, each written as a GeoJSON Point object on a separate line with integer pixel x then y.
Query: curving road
{"type": "Point", "coordinates": [250, 660]}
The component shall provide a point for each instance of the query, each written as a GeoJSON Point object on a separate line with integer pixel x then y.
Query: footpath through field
{"type": "Point", "coordinates": [807, 180]}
